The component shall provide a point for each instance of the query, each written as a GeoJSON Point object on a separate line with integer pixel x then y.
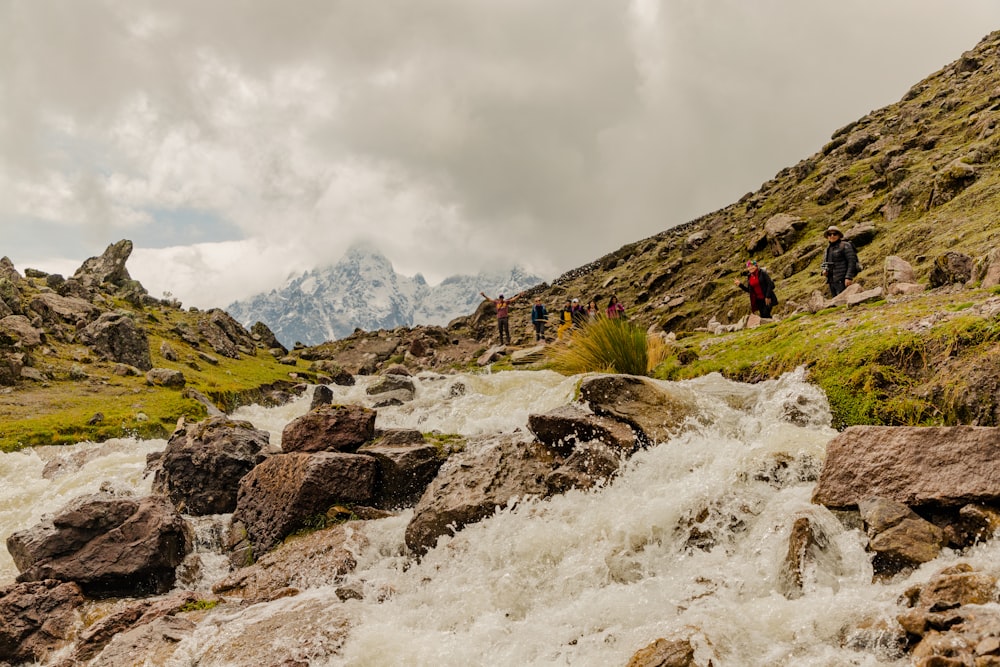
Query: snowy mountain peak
{"type": "Point", "coordinates": [362, 290]}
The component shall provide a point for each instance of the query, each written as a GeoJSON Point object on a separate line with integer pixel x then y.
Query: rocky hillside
{"type": "Point", "coordinates": [93, 356]}
{"type": "Point", "coordinates": [915, 186]}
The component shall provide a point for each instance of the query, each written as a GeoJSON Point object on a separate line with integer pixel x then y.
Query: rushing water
{"type": "Point", "coordinates": [585, 578]}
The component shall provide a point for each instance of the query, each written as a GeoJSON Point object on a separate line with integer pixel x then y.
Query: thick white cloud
{"type": "Point", "coordinates": [236, 142]}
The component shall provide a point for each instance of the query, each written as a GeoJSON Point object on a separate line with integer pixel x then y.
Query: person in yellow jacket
{"type": "Point", "coordinates": [565, 320]}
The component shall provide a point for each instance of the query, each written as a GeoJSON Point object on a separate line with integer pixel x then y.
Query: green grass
{"type": "Point", "coordinates": [609, 346]}
{"type": "Point", "coordinates": [874, 366]}
{"type": "Point", "coordinates": [57, 412]}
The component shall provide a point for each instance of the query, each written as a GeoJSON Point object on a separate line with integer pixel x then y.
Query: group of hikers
{"type": "Point", "coordinates": [840, 266]}
{"type": "Point", "coordinates": [572, 315]}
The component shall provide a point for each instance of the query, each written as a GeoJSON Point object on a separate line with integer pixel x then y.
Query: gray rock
{"type": "Point", "coordinates": [812, 557]}
{"type": "Point", "coordinates": [19, 328]}
{"type": "Point", "coordinates": [341, 428]}
{"type": "Point", "coordinates": [54, 308]}
{"type": "Point", "coordinates": [37, 619]}
{"type": "Point", "coordinates": [203, 463]}
{"type": "Point", "coordinates": [321, 396]}
{"type": "Point", "coordinates": [897, 270]}
{"type": "Point", "coordinates": [951, 268]}
{"type": "Point", "coordinates": [109, 546]}
{"type": "Point", "coordinates": [495, 353]}
{"type": "Point", "coordinates": [284, 492]}
{"type": "Point", "coordinates": [405, 470]}
{"type": "Point", "coordinates": [898, 536]}
{"type": "Point", "coordinates": [167, 352]}
{"type": "Point", "coordinates": [165, 377]}
{"type": "Point", "coordinates": [116, 337]}
{"type": "Point", "coordinates": [561, 429]}
{"type": "Point", "coordinates": [472, 484]}
{"type": "Point", "coordinates": [655, 413]}
{"type": "Point", "coordinates": [917, 466]}
{"type": "Point", "coordinates": [109, 268]}
{"type": "Point", "coordinates": [589, 464]}
{"type": "Point", "coordinates": [397, 384]}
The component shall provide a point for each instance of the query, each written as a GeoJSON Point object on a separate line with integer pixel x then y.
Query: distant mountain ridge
{"type": "Point", "coordinates": [363, 291]}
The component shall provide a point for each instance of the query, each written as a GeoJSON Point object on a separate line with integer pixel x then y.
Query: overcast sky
{"type": "Point", "coordinates": [236, 142]}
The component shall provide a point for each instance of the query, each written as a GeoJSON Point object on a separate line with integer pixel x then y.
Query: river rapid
{"type": "Point", "coordinates": [689, 538]}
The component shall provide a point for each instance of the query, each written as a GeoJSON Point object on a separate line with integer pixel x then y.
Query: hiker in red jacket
{"type": "Point", "coordinates": [761, 289]}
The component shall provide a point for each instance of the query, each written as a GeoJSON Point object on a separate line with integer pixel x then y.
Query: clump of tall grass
{"type": "Point", "coordinates": [608, 345]}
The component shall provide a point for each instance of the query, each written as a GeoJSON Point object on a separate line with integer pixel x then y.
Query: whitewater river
{"type": "Point", "coordinates": [586, 578]}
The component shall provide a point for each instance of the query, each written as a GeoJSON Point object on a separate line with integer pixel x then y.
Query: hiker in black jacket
{"type": "Point", "coordinates": [840, 264]}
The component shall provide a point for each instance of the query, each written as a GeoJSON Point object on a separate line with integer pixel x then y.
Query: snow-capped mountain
{"type": "Point", "coordinates": [363, 291]}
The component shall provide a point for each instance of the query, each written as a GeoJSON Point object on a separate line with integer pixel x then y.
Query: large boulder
{"type": "Point", "coordinates": [109, 268]}
{"type": "Point", "coordinates": [401, 386]}
{"type": "Point", "coordinates": [203, 463]}
{"type": "Point", "coordinates": [405, 469]}
{"type": "Point", "coordinates": [812, 557]}
{"type": "Point", "coordinates": [653, 411]}
{"type": "Point", "coordinates": [898, 536]}
{"type": "Point", "coordinates": [286, 491]}
{"type": "Point", "coordinates": [54, 308]}
{"type": "Point", "coordinates": [781, 231]}
{"type": "Point", "coordinates": [266, 338]}
{"type": "Point", "coordinates": [329, 428]}
{"type": "Point", "coordinates": [917, 466]}
{"type": "Point", "coordinates": [897, 270]}
{"type": "Point", "coordinates": [108, 545]}
{"type": "Point", "coordinates": [36, 619]}
{"type": "Point", "coordinates": [165, 377]}
{"type": "Point", "coordinates": [121, 625]}
{"type": "Point", "coordinates": [116, 337]}
{"type": "Point", "coordinates": [225, 335]}
{"type": "Point", "coordinates": [561, 429]}
{"type": "Point", "coordinates": [316, 559]}
{"type": "Point", "coordinates": [951, 268]}
{"type": "Point", "coordinates": [589, 464]}
{"type": "Point", "coordinates": [472, 484]}
{"type": "Point", "coordinates": [19, 328]}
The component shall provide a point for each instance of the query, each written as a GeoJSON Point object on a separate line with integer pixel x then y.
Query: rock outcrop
{"type": "Point", "coordinates": [288, 491]}
{"type": "Point", "coordinates": [329, 428]}
{"type": "Point", "coordinates": [203, 463]}
{"type": "Point", "coordinates": [109, 546]}
{"type": "Point", "coordinates": [37, 619]}
{"type": "Point", "coordinates": [472, 484]}
{"type": "Point", "coordinates": [918, 466]}
{"type": "Point", "coordinates": [115, 336]}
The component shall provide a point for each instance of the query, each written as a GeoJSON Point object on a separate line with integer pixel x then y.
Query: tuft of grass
{"type": "Point", "coordinates": [200, 605]}
{"type": "Point", "coordinates": [610, 346]}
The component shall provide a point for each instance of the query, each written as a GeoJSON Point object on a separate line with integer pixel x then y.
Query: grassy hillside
{"type": "Point", "coordinates": [76, 395]}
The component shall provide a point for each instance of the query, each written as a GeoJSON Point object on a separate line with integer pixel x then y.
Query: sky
{"type": "Point", "coordinates": [239, 142]}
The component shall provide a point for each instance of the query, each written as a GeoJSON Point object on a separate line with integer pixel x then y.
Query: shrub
{"type": "Point", "coordinates": [610, 346]}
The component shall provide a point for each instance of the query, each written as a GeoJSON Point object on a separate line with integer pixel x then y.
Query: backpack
{"type": "Point", "coordinates": [861, 267]}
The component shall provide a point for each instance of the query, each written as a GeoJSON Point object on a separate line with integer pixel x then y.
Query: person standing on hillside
{"type": "Point", "coordinates": [840, 264]}
{"type": "Point", "coordinates": [565, 320]}
{"type": "Point", "coordinates": [615, 309]}
{"type": "Point", "coordinates": [761, 289]}
{"type": "Point", "coordinates": [579, 314]}
{"type": "Point", "coordinates": [539, 317]}
{"type": "Point", "coordinates": [503, 314]}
